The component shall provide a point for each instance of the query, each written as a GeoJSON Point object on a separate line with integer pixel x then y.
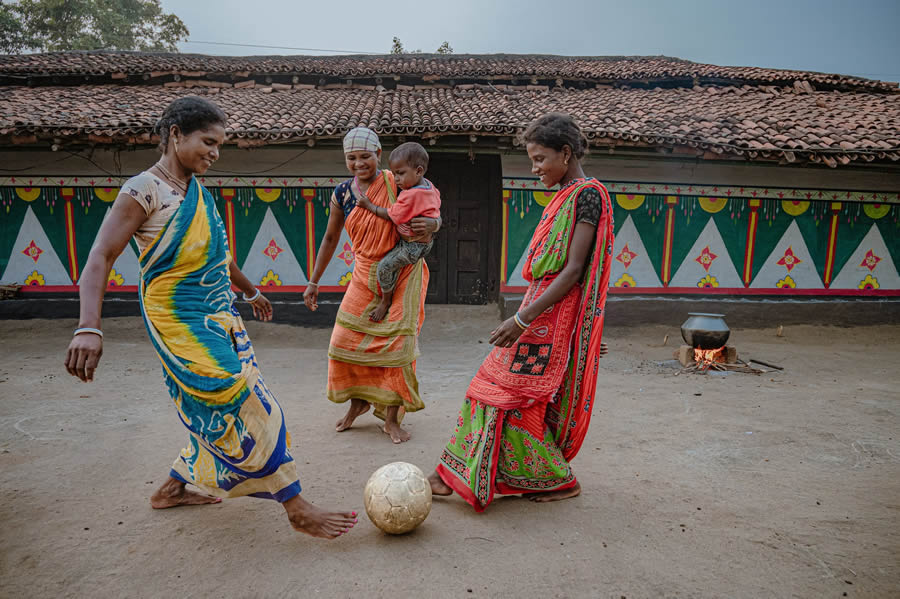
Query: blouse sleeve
{"type": "Point", "coordinates": [343, 197]}
{"type": "Point", "coordinates": [589, 207]}
{"type": "Point", "coordinates": [142, 190]}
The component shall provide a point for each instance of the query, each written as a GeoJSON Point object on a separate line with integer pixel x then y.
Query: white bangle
{"type": "Point", "coordinates": [519, 321]}
{"type": "Point", "coordinates": [88, 330]}
{"type": "Point", "coordinates": [254, 298]}
{"type": "Point", "coordinates": [311, 283]}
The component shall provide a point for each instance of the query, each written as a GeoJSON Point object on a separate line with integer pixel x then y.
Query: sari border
{"type": "Point", "coordinates": [461, 489]}
{"type": "Point", "coordinates": [396, 359]}
{"type": "Point", "coordinates": [380, 396]}
{"type": "Point", "coordinates": [407, 325]}
{"type": "Point", "coordinates": [505, 484]}
{"type": "Point", "coordinates": [257, 487]}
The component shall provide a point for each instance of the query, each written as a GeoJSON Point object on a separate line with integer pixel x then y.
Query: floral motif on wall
{"type": "Point", "coordinates": [347, 254]}
{"type": "Point", "coordinates": [272, 250]}
{"type": "Point", "coordinates": [789, 260]}
{"type": "Point", "coordinates": [114, 279]}
{"type": "Point", "coordinates": [705, 259]}
{"type": "Point", "coordinates": [626, 256]}
{"type": "Point", "coordinates": [33, 251]}
{"type": "Point", "coordinates": [270, 279]}
{"type": "Point", "coordinates": [870, 261]}
{"type": "Point", "coordinates": [708, 281]}
{"type": "Point", "coordinates": [35, 279]}
{"type": "Point", "coordinates": [786, 283]}
{"type": "Point", "coordinates": [626, 280]}
{"type": "Point", "coordinates": [869, 283]}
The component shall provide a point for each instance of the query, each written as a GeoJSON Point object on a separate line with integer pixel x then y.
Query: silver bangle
{"type": "Point", "coordinates": [254, 298]}
{"type": "Point", "coordinates": [88, 330]}
{"type": "Point", "coordinates": [519, 321]}
{"type": "Point", "coordinates": [311, 283]}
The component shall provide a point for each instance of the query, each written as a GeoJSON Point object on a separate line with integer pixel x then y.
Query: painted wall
{"type": "Point", "coordinates": [46, 234]}
{"type": "Point", "coordinates": [706, 228]}
{"type": "Point", "coordinates": [685, 239]}
{"type": "Point", "coordinates": [682, 227]}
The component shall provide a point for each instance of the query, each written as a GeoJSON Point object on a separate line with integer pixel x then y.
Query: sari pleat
{"type": "Point", "coordinates": [376, 361]}
{"type": "Point", "coordinates": [238, 442]}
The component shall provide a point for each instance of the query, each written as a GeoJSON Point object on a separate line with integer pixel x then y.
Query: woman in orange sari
{"type": "Point", "coordinates": [526, 412]}
{"type": "Point", "coordinates": [372, 362]}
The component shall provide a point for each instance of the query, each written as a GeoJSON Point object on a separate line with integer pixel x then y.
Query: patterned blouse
{"type": "Point", "coordinates": [589, 207]}
{"type": "Point", "coordinates": [343, 197]}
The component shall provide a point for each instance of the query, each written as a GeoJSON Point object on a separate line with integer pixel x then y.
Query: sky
{"type": "Point", "coordinates": [852, 37]}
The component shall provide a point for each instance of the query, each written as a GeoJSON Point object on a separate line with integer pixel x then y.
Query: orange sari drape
{"type": "Point", "coordinates": [376, 361]}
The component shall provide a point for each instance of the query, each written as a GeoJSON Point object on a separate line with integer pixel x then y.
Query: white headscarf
{"type": "Point", "coordinates": [361, 139]}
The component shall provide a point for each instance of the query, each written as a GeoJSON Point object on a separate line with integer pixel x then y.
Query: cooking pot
{"type": "Point", "coordinates": [705, 331]}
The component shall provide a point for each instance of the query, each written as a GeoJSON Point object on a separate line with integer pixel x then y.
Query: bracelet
{"type": "Point", "coordinates": [519, 321]}
{"type": "Point", "coordinates": [254, 298]}
{"type": "Point", "coordinates": [88, 330]}
{"type": "Point", "coordinates": [308, 283]}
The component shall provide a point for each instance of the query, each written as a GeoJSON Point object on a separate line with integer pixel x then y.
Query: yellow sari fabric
{"type": "Point", "coordinates": [376, 361]}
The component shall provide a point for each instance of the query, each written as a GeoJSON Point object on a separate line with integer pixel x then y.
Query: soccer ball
{"type": "Point", "coordinates": [397, 498]}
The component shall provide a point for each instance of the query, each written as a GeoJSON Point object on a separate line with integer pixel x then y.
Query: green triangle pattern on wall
{"type": "Point", "coordinates": [12, 213]}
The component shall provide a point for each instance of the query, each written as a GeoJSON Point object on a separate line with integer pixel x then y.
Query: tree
{"type": "Point", "coordinates": [12, 37]}
{"type": "Point", "coordinates": [55, 25]}
{"type": "Point", "coordinates": [397, 48]}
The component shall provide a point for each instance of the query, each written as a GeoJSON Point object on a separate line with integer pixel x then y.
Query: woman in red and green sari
{"type": "Point", "coordinates": [528, 408]}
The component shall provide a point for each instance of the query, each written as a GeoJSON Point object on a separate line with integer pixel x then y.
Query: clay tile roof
{"type": "Point", "coordinates": [434, 66]}
{"type": "Point", "coordinates": [785, 123]}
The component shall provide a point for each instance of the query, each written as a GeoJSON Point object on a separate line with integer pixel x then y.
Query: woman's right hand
{"type": "Point", "coordinates": [311, 297]}
{"type": "Point", "coordinates": [84, 355]}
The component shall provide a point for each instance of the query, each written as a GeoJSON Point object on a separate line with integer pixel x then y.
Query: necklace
{"type": "Point", "coordinates": [181, 184]}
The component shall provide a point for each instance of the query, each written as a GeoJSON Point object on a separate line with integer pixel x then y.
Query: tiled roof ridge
{"type": "Point", "coordinates": [150, 67]}
{"type": "Point", "coordinates": [825, 127]}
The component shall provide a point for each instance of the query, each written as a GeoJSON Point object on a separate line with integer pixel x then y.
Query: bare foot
{"type": "Point", "coordinates": [394, 430]}
{"type": "Point", "coordinates": [380, 311]}
{"type": "Point", "coordinates": [173, 493]}
{"type": "Point", "coordinates": [438, 486]}
{"type": "Point", "coordinates": [357, 408]}
{"type": "Point", "coordinates": [556, 495]}
{"type": "Point", "coordinates": [305, 517]}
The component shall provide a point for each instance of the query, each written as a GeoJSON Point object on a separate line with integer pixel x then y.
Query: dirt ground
{"type": "Point", "coordinates": [781, 485]}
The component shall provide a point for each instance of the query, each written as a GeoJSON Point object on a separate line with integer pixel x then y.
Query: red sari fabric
{"type": "Point", "coordinates": [527, 411]}
{"type": "Point", "coordinates": [556, 359]}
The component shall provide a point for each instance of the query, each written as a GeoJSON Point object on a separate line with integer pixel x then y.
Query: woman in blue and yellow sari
{"type": "Point", "coordinates": [238, 443]}
{"type": "Point", "coordinates": [527, 411]}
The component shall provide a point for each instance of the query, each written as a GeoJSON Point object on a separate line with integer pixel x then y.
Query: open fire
{"type": "Point", "coordinates": [703, 330]}
{"type": "Point", "coordinates": [701, 361]}
{"type": "Point", "coordinates": [710, 356]}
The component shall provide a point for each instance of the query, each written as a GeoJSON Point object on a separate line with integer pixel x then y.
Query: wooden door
{"type": "Point", "coordinates": [462, 260]}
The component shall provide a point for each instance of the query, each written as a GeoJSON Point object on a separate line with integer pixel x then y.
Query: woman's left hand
{"type": "Point", "coordinates": [422, 225]}
{"type": "Point", "coordinates": [604, 349]}
{"type": "Point", "coordinates": [262, 308]}
{"type": "Point", "coordinates": [506, 334]}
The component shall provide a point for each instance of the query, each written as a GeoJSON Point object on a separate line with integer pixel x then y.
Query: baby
{"type": "Point", "coordinates": [418, 197]}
